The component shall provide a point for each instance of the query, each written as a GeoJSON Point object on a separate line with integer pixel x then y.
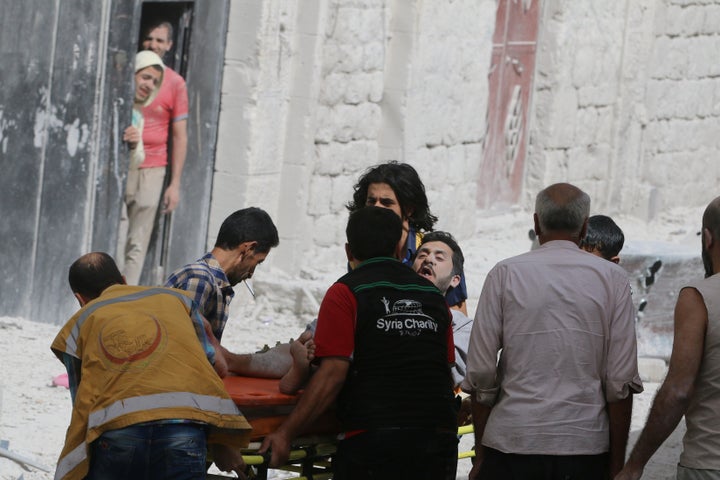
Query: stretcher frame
{"type": "Point", "coordinates": [265, 408]}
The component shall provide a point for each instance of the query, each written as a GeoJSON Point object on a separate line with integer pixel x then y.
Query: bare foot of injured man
{"type": "Point", "coordinates": [302, 352]}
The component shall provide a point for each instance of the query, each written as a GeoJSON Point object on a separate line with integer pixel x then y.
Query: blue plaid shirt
{"type": "Point", "coordinates": [210, 288]}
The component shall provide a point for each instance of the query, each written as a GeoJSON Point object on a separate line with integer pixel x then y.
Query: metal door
{"type": "Point", "coordinates": [65, 79]}
{"type": "Point", "coordinates": [511, 81]}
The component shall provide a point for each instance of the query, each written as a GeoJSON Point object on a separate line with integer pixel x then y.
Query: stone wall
{"type": "Point", "coordinates": [627, 102]}
{"type": "Point", "coordinates": [316, 91]}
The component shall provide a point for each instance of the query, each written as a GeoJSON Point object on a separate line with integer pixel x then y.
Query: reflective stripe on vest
{"type": "Point", "coordinates": [70, 461]}
{"type": "Point", "coordinates": [143, 403]}
{"type": "Point", "coordinates": [71, 342]}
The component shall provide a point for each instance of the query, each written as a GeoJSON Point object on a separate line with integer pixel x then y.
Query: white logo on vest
{"type": "Point", "coordinates": [406, 318]}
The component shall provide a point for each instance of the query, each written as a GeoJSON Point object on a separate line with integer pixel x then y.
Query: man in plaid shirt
{"type": "Point", "coordinates": [243, 242]}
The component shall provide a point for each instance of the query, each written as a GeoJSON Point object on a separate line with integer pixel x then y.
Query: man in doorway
{"type": "Point", "coordinates": [167, 112]}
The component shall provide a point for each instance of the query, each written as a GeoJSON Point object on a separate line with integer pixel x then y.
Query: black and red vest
{"type": "Point", "coordinates": [400, 375]}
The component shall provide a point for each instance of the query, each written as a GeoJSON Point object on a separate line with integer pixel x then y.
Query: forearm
{"type": "Point", "coordinates": [179, 151]}
{"type": "Point", "coordinates": [620, 415]}
{"type": "Point", "coordinates": [667, 409]}
{"type": "Point", "coordinates": [321, 392]}
{"type": "Point", "coordinates": [480, 415]}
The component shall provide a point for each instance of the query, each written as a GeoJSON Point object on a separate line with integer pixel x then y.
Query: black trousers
{"type": "Point", "coordinates": [511, 466]}
{"type": "Point", "coordinates": [397, 454]}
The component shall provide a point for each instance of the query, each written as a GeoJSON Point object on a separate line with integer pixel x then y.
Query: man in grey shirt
{"type": "Point", "coordinates": [559, 399]}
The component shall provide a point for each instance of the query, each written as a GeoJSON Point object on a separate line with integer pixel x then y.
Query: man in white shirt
{"type": "Point", "coordinates": [557, 403]}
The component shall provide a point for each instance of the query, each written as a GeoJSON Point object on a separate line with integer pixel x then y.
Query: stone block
{"type": "Point", "coordinates": [702, 61]}
{"type": "Point", "coordinates": [359, 87]}
{"type": "Point", "coordinates": [374, 56]}
{"type": "Point", "coordinates": [586, 124]}
{"type": "Point", "coordinates": [716, 97]}
{"type": "Point", "coordinates": [561, 122]}
{"type": "Point", "coordinates": [553, 163]}
{"type": "Point", "coordinates": [358, 25]}
{"type": "Point", "coordinates": [369, 116]}
{"type": "Point", "coordinates": [670, 58]}
{"type": "Point", "coordinates": [320, 194]}
{"type": "Point", "coordinates": [597, 95]}
{"type": "Point", "coordinates": [359, 155]}
{"type": "Point", "coordinates": [711, 23]}
{"type": "Point", "coordinates": [693, 19]}
{"type": "Point", "coordinates": [589, 163]}
{"type": "Point", "coordinates": [329, 159]}
{"type": "Point", "coordinates": [342, 57]}
{"type": "Point", "coordinates": [324, 125]}
{"type": "Point", "coordinates": [342, 186]}
{"type": "Point", "coordinates": [674, 17]}
{"type": "Point", "coordinates": [332, 91]}
{"type": "Point", "coordinates": [586, 65]}
{"type": "Point", "coordinates": [327, 231]}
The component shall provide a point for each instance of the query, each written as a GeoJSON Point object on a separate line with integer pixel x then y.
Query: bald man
{"type": "Point", "coordinates": [557, 404]}
{"type": "Point", "coordinates": [691, 387]}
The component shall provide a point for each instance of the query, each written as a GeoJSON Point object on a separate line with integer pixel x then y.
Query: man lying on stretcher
{"type": "Point", "coordinates": [384, 335]}
{"type": "Point", "coordinates": [439, 259]}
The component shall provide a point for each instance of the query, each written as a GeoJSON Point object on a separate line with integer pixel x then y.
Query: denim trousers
{"type": "Point", "coordinates": [150, 451]}
{"type": "Point", "coordinates": [397, 454]}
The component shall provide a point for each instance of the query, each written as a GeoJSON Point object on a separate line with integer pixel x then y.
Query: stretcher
{"type": "Point", "coordinates": [265, 408]}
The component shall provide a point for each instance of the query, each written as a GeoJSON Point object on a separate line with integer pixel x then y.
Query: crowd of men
{"type": "Point", "coordinates": [548, 365]}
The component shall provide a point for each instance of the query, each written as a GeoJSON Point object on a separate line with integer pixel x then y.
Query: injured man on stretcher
{"type": "Point", "coordinates": [439, 259]}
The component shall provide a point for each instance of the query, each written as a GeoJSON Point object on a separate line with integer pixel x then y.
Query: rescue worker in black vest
{"type": "Point", "coordinates": [385, 347]}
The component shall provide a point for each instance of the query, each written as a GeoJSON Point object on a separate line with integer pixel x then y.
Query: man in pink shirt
{"type": "Point", "coordinates": [168, 112]}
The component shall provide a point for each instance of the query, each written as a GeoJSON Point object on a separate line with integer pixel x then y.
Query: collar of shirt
{"type": "Point", "coordinates": [220, 278]}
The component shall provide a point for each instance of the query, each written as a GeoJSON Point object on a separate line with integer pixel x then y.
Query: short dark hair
{"type": "Point", "coordinates": [92, 273]}
{"type": "Point", "coordinates": [250, 224]}
{"type": "Point", "coordinates": [604, 235]}
{"type": "Point", "coordinates": [458, 258]}
{"type": "Point", "coordinates": [408, 188]}
{"type": "Point", "coordinates": [157, 23]}
{"type": "Point", "coordinates": [373, 232]}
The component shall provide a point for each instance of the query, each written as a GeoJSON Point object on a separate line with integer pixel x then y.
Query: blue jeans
{"type": "Point", "coordinates": [174, 451]}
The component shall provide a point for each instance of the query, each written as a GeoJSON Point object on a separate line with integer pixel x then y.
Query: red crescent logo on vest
{"type": "Point", "coordinates": [129, 338]}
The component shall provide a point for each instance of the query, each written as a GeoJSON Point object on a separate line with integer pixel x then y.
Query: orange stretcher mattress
{"type": "Point", "coordinates": [265, 408]}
